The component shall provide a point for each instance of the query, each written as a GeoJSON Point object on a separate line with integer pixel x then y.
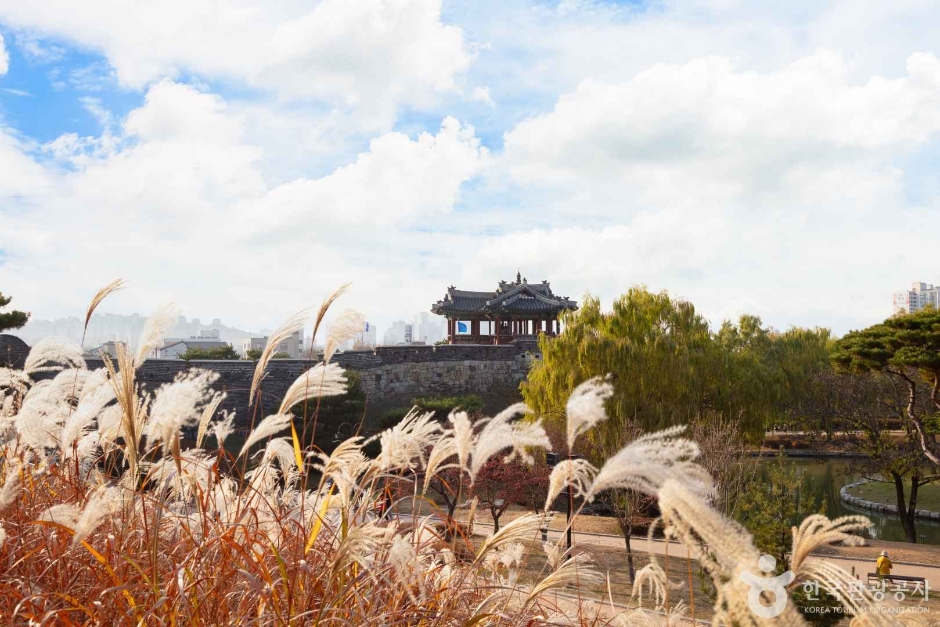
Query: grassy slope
{"type": "Point", "coordinates": [928, 496]}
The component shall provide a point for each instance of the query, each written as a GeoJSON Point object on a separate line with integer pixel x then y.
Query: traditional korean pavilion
{"type": "Point", "coordinates": [516, 310]}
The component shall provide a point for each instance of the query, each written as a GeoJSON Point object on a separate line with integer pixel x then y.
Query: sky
{"type": "Point", "coordinates": [243, 158]}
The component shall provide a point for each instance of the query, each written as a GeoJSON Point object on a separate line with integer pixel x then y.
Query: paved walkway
{"type": "Point", "coordinates": [861, 567]}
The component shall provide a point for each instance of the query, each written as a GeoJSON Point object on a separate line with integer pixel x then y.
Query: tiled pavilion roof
{"type": "Point", "coordinates": [516, 298]}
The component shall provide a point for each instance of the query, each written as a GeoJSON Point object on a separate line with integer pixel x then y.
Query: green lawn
{"type": "Point", "coordinates": [928, 496]}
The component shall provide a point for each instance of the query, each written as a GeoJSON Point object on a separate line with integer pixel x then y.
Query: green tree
{"type": "Point", "coordinates": [280, 355]}
{"type": "Point", "coordinates": [663, 359]}
{"type": "Point", "coordinates": [769, 510]}
{"type": "Point", "coordinates": [253, 353]}
{"type": "Point", "coordinates": [906, 348]}
{"type": "Point", "coordinates": [774, 504]}
{"type": "Point", "coordinates": [770, 376]}
{"type": "Point", "coordinates": [221, 352]}
{"type": "Point", "coordinates": [11, 319]}
{"type": "Point", "coordinates": [870, 405]}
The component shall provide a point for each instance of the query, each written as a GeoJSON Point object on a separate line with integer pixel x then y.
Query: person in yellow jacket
{"type": "Point", "coordinates": [883, 565]}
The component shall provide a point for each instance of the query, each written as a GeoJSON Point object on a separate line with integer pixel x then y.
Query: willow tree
{"type": "Point", "coordinates": [665, 363]}
{"type": "Point", "coordinates": [907, 349]}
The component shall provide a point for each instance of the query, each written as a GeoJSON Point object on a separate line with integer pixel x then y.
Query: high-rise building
{"type": "Point", "coordinates": [395, 334]}
{"type": "Point", "coordinates": [428, 328]}
{"type": "Point", "coordinates": [292, 346]}
{"type": "Point", "coordinates": [919, 296]}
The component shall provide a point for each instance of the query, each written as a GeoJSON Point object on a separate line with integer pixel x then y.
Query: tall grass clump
{"type": "Point", "coordinates": [106, 520]}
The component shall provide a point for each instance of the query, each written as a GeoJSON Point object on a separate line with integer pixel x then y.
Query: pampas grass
{"type": "Point", "coordinates": [53, 354]}
{"type": "Point", "coordinates": [96, 300]}
{"type": "Point", "coordinates": [321, 380]}
{"type": "Point", "coordinates": [349, 324]}
{"type": "Point", "coordinates": [155, 329]}
{"type": "Point", "coordinates": [272, 425]}
{"type": "Point", "coordinates": [585, 407]}
{"type": "Point", "coordinates": [177, 405]}
{"type": "Point", "coordinates": [290, 326]}
{"type": "Point", "coordinates": [104, 520]}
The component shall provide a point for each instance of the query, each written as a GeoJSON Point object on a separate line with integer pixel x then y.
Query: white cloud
{"type": "Point", "coordinates": [482, 94]}
{"type": "Point", "coordinates": [177, 204]}
{"type": "Point", "coordinates": [705, 115]}
{"type": "Point", "coordinates": [730, 186]}
{"type": "Point", "coordinates": [373, 55]}
{"type": "Point", "coordinates": [4, 58]}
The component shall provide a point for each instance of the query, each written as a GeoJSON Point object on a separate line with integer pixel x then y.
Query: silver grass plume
{"type": "Point", "coordinates": [95, 395]}
{"type": "Point", "coordinates": [177, 405]}
{"type": "Point", "coordinates": [103, 293]}
{"type": "Point", "coordinates": [347, 452]}
{"type": "Point", "coordinates": [272, 425]}
{"type": "Point", "coordinates": [122, 374]}
{"type": "Point", "coordinates": [11, 483]}
{"type": "Point", "coordinates": [499, 434]}
{"type": "Point", "coordinates": [649, 461]}
{"type": "Point", "coordinates": [522, 529]}
{"type": "Point", "coordinates": [577, 570]}
{"type": "Point", "coordinates": [319, 381]}
{"type": "Point", "coordinates": [444, 448]}
{"type": "Point", "coordinates": [817, 530]}
{"type": "Point", "coordinates": [463, 437]}
{"type": "Point", "coordinates": [321, 313]}
{"type": "Point", "coordinates": [289, 326]}
{"type": "Point", "coordinates": [155, 329]}
{"type": "Point", "coordinates": [223, 428]}
{"type": "Point", "coordinates": [349, 324]}
{"type": "Point", "coordinates": [403, 445]}
{"type": "Point", "coordinates": [585, 407]}
{"type": "Point", "coordinates": [101, 502]}
{"type": "Point", "coordinates": [653, 577]}
{"type": "Point", "coordinates": [53, 354]}
{"type": "Point", "coordinates": [281, 450]}
{"type": "Point", "coordinates": [207, 414]}
{"type": "Point", "coordinates": [576, 473]}
{"type": "Point", "coordinates": [46, 408]}
{"type": "Point", "coordinates": [14, 384]}
{"type": "Point", "coordinates": [724, 549]}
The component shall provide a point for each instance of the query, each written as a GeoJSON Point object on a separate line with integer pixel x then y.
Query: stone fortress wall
{"type": "Point", "coordinates": [387, 372]}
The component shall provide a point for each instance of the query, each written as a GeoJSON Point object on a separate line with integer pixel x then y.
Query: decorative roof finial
{"type": "Point", "coordinates": [518, 276]}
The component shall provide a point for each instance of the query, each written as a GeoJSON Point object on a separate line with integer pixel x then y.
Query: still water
{"type": "Point", "coordinates": [826, 478]}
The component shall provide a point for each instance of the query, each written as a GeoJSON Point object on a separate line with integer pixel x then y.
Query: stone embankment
{"type": "Point", "coordinates": [394, 372]}
{"type": "Point", "coordinates": [882, 508]}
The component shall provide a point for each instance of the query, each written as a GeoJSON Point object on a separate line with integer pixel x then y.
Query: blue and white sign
{"type": "Point", "coordinates": [462, 327]}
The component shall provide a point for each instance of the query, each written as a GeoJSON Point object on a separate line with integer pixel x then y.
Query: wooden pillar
{"type": "Point", "coordinates": [450, 330]}
{"type": "Point", "coordinates": [475, 329]}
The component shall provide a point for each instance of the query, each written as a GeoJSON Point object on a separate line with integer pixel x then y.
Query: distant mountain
{"type": "Point", "coordinates": [125, 328]}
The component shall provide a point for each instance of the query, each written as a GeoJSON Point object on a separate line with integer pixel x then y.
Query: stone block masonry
{"type": "Point", "coordinates": [386, 371]}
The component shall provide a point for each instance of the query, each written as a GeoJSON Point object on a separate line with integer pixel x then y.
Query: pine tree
{"type": "Point", "coordinates": [11, 319]}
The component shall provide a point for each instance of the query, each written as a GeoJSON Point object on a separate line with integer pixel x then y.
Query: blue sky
{"type": "Point", "coordinates": [243, 159]}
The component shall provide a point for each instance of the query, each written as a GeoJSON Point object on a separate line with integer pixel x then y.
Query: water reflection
{"type": "Point", "coordinates": [826, 478]}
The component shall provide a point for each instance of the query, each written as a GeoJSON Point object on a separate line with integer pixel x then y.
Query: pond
{"type": "Point", "coordinates": [827, 477]}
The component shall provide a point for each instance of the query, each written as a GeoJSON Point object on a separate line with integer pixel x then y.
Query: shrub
{"type": "Point", "coordinates": [443, 405]}
{"type": "Point", "coordinates": [221, 352]}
